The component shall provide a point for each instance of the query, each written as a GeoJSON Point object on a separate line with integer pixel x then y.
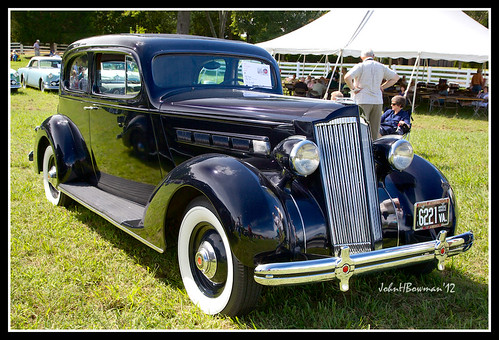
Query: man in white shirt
{"type": "Point", "coordinates": [365, 82]}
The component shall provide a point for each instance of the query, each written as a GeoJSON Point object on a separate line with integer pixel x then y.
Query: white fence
{"type": "Point", "coordinates": [44, 48]}
{"type": "Point", "coordinates": [430, 74]}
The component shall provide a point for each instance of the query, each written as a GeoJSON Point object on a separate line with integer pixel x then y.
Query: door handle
{"type": "Point", "coordinates": [90, 108]}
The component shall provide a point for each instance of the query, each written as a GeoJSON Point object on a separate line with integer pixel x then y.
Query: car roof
{"type": "Point", "coordinates": [149, 43]}
{"type": "Point", "coordinates": [46, 58]}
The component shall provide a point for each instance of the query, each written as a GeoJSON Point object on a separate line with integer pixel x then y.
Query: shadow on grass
{"type": "Point", "coordinates": [387, 300]}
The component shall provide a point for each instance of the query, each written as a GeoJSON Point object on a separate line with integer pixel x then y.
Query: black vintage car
{"type": "Point", "coordinates": [189, 141]}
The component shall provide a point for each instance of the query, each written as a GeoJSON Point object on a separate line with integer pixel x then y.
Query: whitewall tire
{"type": "Point", "coordinates": [50, 179]}
{"type": "Point", "coordinates": [213, 278]}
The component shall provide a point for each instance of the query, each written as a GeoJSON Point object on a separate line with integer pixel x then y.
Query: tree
{"type": "Point", "coordinates": [183, 22]}
{"type": "Point", "coordinates": [222, 20]}
{"type": "Point", "coordinates": [258, 26]}
{"type": "Point", "coordinates": [51, 26]}
{"type": "Point", "coordinates": [480, 16]}
{"type": "Point", "coordinates": [68, 26]}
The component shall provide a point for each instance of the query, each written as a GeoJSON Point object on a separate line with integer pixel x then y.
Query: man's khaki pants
{"type": "Point", "coordinates": [373, 114]}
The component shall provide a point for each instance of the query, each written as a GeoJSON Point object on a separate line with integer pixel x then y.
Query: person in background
{"type": "Point", "coordinates": [365, 81]}
{"type": "Point", "coordinates": [395, 121]}
{"type": "Point", "coordinates": [335, 95]}
{"type": "Point", "coordinates": [14, 56]}
{"type": "Point", "coordinates": [300, 88]}
{"type": "Point", "coordinates": [36, 47]}
{"type": "Point", "coordinates": [443, 89]}
{"type": "Point", "coordinates": [484, 94]}
{"type": "Point", "coordinates": [477, 82]}
{"type": "Point", "coordinates": [291, 80]}
{"type": "Point", "coordinates": [319, 87]}
{"type": "Point", "coordinates": [309, 81]}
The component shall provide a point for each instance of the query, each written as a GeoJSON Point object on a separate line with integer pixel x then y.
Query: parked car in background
{"type": "Point", "coordinates": [42, 73]}
{"type": "Point", "coordinates": [188, 141]}
{"type": "Point", "coordinates": [15, 83]}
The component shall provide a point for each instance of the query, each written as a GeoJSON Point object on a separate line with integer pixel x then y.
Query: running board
{"type": "Point", "coordinates": [121, 212]}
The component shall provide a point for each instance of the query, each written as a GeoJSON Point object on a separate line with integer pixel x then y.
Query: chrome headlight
{"type": "Point", "coordinates": [304, 158]}
{"type": "Point", "coordinates": [297, 154]}
{"type": "Point", "coordinates": [401, 154]}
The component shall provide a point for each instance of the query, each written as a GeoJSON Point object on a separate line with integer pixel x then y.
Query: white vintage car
{"type": "Point", "coordinates": [42, 73]}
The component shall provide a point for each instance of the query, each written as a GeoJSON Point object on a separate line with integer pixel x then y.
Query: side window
{"type": "Point", "coordinates": [76, 77]}
{"type": "Point", "coordinates": [116, 75]}
{"type": "Point", "coordinates": [133, 84]}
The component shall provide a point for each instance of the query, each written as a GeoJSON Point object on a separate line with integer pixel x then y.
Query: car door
{"type": "Point", "coordinates": [122, 138]}
{"type": "Point", "coordinates": [102, 94]}
{"type": "Point", "coordinates": [31, 73]}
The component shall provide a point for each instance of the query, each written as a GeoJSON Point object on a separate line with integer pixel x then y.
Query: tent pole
{"type": "Point", "coordinates": [316, 64]}
{"type": "Point", "coordinates": [410, 80]}
{"type": "Point", "coordinates": [303, 69]}
{"type": "Point", "coordinates": [341, 73]}
{"type": "Point", "coordinates": [332, 74]}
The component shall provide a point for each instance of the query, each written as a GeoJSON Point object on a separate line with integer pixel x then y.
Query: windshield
{"type": "Point", "coordinates": [175, 71]}
{"type": "Point", "coordinates": [50, 63]}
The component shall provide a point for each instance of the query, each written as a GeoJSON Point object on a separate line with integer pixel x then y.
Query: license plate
{"type": "Point", "coordinates": [431, 214]}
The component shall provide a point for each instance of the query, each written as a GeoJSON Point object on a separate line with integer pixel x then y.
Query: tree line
{"type": "Point", "coordinates": [64, 27]}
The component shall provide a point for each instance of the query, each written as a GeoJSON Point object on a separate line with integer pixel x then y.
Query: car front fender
{"type": "Point", "coordinates": [251, 213]}
{"type": "Point", "coordinates": [421, 181]}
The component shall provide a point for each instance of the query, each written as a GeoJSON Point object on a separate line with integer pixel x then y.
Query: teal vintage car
{"type": "Point", "coordinates": [42, 73]}
{"type": "Point", "coordinates": [14, 80]}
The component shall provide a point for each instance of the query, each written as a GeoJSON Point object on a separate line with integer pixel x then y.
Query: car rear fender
{"type": "Point", "coordinates": [72, 155]}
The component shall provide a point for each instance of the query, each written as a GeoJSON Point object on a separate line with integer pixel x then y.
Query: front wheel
{"type": "Point", "coordinates": [213, 278]}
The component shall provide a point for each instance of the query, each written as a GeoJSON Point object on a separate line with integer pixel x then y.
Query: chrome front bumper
{"type": "Point", "coordinates": [345, 265]}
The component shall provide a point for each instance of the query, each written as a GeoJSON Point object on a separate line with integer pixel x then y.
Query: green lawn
{"type": "Point", "coordinates": [70, 269]}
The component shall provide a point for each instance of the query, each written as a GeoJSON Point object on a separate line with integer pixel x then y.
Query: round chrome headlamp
{"type": "Point", "coordinates": [298, 155]}
{"type": "Point", "coordinates": [401, 154]}
{"type": "Point", "coordinates": [304, 158]}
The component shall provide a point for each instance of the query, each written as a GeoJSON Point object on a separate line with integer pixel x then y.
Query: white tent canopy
{"type": "Point", "coordinates": [446, 34]}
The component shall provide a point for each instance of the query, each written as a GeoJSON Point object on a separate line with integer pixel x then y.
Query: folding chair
{"type": "Point", "coordinates": [434, 102]}
{"type": "Point", "coordinates": [451, 103]}
{"type": "Point", "coordinates": [478, 109]}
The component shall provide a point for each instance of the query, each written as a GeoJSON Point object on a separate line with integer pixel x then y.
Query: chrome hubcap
{"type": "Point", "coordinates": [52, 176]}
{"type": "Point", "coordinates": [206, 260]}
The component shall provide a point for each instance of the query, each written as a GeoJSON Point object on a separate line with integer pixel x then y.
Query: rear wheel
{"type": "Point", "coordinates": [213, 278]}
{"type": "Point", "coordinates": [50, 179]}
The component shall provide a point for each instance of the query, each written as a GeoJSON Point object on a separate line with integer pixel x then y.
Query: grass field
{"type": "Point", "coordinates": [70, 269]}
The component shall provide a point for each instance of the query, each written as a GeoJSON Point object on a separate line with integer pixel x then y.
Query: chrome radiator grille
{"type": "Point", "coordinates": [349, 182]}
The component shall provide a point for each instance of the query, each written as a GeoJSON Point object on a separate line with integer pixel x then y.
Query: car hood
{"type": "Point", "coordinates": [250, 105]}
